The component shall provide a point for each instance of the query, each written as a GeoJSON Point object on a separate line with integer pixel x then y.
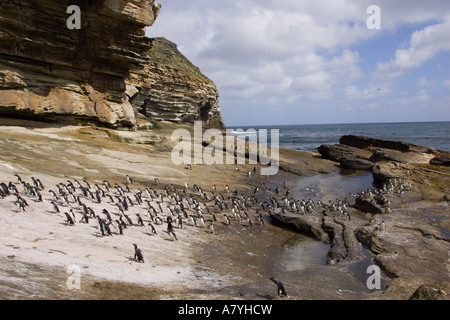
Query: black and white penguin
{"type": "Point", "coordinates": [280, 287]}
{"type": "Point", "coordinates": [138, 254]}
{"type": "Point", "coordinates": [152, 228]}
{"type": "Point", "coordinates": [69, 219]}
{"type": "Point", "coordinates": [107, 228]}
{"type": "Point", "coordinates": [170, 229]}
{"type": "Point", "coordinates": [106, 213]}
{"type": "Point", "coordinates": [119, 226]}
{"type": "Point", "coordinates": [140, 221]}
{"type": "Point", "coordinates": [55, 206]}
{"type": "Point", "coordinates": [129, 179]}
{"type": "Point", "coordinates": [100, 225]}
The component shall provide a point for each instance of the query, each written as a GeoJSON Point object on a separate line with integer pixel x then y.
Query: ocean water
{"type": "Point", "coordinates": [310, 137]}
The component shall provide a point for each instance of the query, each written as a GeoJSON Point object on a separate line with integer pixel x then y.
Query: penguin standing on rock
{"type": "Point", "coordinates": [138, 254]}
{"type": "Point", "coordinates": [281, 290]}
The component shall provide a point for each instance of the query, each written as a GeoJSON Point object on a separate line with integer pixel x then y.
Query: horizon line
{"type": "Point", "coordinates": [337, 123]}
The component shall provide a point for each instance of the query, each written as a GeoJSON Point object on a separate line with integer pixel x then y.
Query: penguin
{"type": "Point", "coordinates": [170, 229]}
{"type": "Point", "coordinates": [157, 181]}
{"type": "Point", "coordinates": [280, 287]}
{"type": "Point", "coordinates": [39, 196]}
{"type": "Point", "coordinates": [85, 218]}
{"type": "Point", "coordinates": [107, 229]}
{"type": "Point", "coordinates": [128, 219]}
{"type": "Point", "coordinates": [100, 224]}
{"type": "Point", "coordinates": [122, 223]}
{"type": "Point", "coordinates": [119, 226]}
{"type": "Point", "coordinates": [106, 213]}
{"type": "Point", "coordinates": [69, 219]}
{"type": "Point", "coordinates": [129, 180]}
{"type": "Point", "coordinates": [211, 228]}
{"type": "Point", "coordinates": [260, 219]}
{"type": "Point", "coordinates": [180, 222]}
{"type": "Point", "coordinates": [193, 221]}
{"type": "Point", "coordinates": [138, 254]}
{"type": "Point", "coordinates": [55, 206]}
{"type": "Point", "coordinates": [20, 205]}
{"type": "Point", "coordinates": [18, 178]}
{"type": "Point", "coordinates": [158, 220]}
{"type": "Point", "coordinates": [152, 228]}
{"type": "Point", "coordinates": [227, 220]}
{"type": "Point", "coordinates": [140, 221]}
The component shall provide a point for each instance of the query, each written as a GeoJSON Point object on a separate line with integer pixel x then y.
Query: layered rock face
{"type": "Point", "coordinates": [170, 87]}
{"type": "Point", "coordinates": [51, 72]}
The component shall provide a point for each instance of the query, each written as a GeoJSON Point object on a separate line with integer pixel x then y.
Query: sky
{"type": "Point", "coordinates": [317, 61]}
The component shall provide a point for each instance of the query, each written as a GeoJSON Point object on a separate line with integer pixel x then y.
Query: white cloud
{"type": "Point", "coordinates": [300, 52]}
{"type": "Point", "coordinates": [423, 45]}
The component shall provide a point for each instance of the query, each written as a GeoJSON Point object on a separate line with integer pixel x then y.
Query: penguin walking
{"type": "Point", "coordinates": [107, 228]}
{"type": "Point", "coordinates": [211, 228]}
{"type": "Point", "coordinates": [100, 225]}
{"type": "Point", "coordinates": [152, 228]}
{"type": "Point", "coordinates": [140, 221]}
{"type": "Point", "coordinates": [280, 287]}
{"type": "Point", "coordinates": [55, 206]}
{"type": "Point", "coordinates": [129, 179]}
{"type": "Point", "coordinates": [138, 254]}
{"type": "Point", "coordinates": [106, 213]}
{"type": "Point", "coordinates": [85, 218]}
{"type": "Point", "coordinates": [170, 229]}
{"type": "Point", "coordinates": [119, 226]}
{"type": "Point", "coordinates": [69, 219]}
{"type": "Point", "coordinates": [20, 205]}
{"type": "Point", "coordinates": [260, 219]}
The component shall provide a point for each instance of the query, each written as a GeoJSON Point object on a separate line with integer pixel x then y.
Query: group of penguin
{"type": "Point", "coordinates": [178, 202]}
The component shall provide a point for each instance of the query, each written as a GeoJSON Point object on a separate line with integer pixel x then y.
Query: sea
{"type": "Point", "coordinates": [310, 137]}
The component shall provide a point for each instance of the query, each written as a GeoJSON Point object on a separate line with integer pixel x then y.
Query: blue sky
{"type": "Point", "coordinates": [315, 61]}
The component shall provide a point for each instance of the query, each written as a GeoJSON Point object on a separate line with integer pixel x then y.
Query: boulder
{"type": "Point", "coordinates": [339, 152]}
{"type": "Point", "coordinates": [385, 171]}
{"type": "Point", "coordinates": [363, 142]}
{"type": "Point", "coordinates": [440, 161]}
{"type": "Point", "coordinates": [356, 163]}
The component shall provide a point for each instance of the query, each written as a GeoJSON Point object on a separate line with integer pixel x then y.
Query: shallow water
{"type": "Point", "coordinates": [300, 252]}
{"type": "Point", "coordinates": [331, 186]}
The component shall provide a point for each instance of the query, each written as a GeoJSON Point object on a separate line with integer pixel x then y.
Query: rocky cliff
{"type": "Point", "coordinates": [103, 72]}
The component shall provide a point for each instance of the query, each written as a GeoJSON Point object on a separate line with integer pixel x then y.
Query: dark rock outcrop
{"type": "Point", "coordinates": [441, 161]}
{"type": "Point", "coordinates": [386, 159]}
{"type": "Point", "coordinates": [363, 142]}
